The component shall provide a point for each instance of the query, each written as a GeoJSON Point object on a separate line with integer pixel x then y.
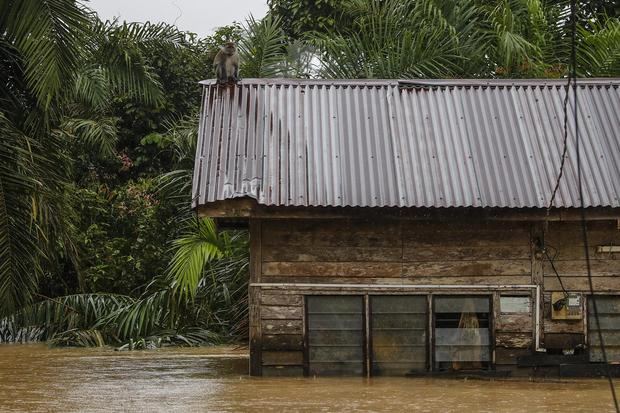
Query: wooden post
{"type": "Point", "coordinates": [254, 298]}
{"type": "Point", "coordinates": [538, 278]}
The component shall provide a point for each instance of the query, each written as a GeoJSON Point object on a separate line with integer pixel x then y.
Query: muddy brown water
{"type": "Point", "coordinates": [34, 378]}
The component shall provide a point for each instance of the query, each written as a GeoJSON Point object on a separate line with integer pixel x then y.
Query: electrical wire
{"type": "Point", "coordinates": [555, 271]}
{"type": "Point", "coordinates": [564, 151]}
{"type": "Point", "coordinates": [584, 226]}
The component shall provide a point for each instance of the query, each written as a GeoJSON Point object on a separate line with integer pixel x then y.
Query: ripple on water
{"type": "Point", "coordinates": [36, 378]}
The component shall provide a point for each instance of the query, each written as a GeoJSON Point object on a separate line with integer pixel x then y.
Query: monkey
{"type": "Point", "coordinates": [226, 64]}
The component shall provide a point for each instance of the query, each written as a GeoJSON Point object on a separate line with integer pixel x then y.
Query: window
{"type": "Point", "coordinates": [608, 307]}
{"type": "Point", "coordinates": [389, 334]}
{"type": "Point", "coordinates": [509, 304]}
{"type": "Point", "coordinates": [335, 335]}
{"type": "Point", "coordinates": [398, 334]}
{"type": "Point", "coordinates": [462, 335]}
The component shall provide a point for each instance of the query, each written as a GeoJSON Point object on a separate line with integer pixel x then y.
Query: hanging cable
{"type": "Point", "coordinates": [564, 151]}
{"type": "Point", "coordinates": [555, 271]}
{"type": "Point", "coordinates": [584, 226]}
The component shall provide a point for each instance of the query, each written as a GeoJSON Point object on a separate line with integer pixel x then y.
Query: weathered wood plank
{"type": "Point", "coordinates": [411, 228]}
{"type": "Point", "coordinates": [593, 226]}
{"type": "Point", "coordinates": [563, 326]}
{"type": "Point", "coordinates": [281, 299]}
{"type": "Point", "coordinates": [581, 284]}
{"type": "Point", "coordinates": [573, 241]}
{"type": "Point", "coordinates": [517, 323]}
{"type": "Point", "coordinates": [577, 252]}
{"type": "Point", "coordinates": [324, 233]}
{"type": "Point", "coordinates": [282, 342]}
{"type": "Point", "coordinates": [513, 340]}
{"type": "Point", "coordinates": [283, 358]}
{"type": "Point", "coordinates": [238, 207]}
{"type": "Point", "coordinates": [281, 312]}
{"type": "Point", "coordinates": [466, 253]}
{"type": "Point", "coordinates": [578, 268]}
{"type": "Point", "coordinates": [254, 298]}
{"type": "Point", "coordinates": [484, 280]}
{"type": "Point", "coordinates": [563, 340]}
{"type": "Point", "coordinates": [466, 238]}
{"type": "Point", "coordinates": [508, 356]}
{"type": "Point", "coordinates": [467, 268]}
{"type": "Point", "coordinates": [331, 254]}
{"type": "Point", "coordinates": [282, 327]}
{"type": "Point", "coordinates": [332, 269]}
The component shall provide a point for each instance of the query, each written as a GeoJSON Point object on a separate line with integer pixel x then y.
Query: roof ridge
{"type": "Point", "coordinates": [419, 82]}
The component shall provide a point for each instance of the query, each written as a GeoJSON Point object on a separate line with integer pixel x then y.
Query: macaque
{"type": "Point", "coordinates": [226, 64]}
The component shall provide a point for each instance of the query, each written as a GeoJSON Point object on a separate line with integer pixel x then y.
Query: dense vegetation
{"type": "Point", "coordinates": [98, 130]}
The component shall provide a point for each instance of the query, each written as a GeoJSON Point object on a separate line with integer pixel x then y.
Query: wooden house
{"type": "Point", "coordinates": [403, 228]}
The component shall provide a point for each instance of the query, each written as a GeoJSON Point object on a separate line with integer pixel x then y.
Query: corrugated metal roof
{"type": "Point", "coordinates": [422, 143]}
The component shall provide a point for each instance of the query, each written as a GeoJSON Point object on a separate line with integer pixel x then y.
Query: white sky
{"type": "Point", "coordinates": [198, 16]}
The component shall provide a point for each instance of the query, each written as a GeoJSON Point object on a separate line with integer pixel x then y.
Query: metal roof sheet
{"type": "Point", "coordinates": [406, 143]}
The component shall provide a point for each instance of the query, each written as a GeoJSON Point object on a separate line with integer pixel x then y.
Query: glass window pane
{"type": "Point", "coordinates": [515, 304]}
{"type": "Point", "coordinates": [462, 336]}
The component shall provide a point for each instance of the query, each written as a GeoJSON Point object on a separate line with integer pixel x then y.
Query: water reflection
{"type": "Point", "coordinates": [35, 378]}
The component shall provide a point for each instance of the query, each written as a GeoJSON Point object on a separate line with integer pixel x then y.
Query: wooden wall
{"type": "Point", "coordinates": [565, 241]}
{"type": "Point", "coordinates": [357, 251]}
{"type": "Point", "coordinates": [352, 251]}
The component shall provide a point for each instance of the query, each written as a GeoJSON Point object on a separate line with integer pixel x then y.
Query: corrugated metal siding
{"type": "Point", "coordinates": [414, 144]}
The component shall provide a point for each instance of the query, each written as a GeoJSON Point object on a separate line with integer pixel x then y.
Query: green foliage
{"type": "Point", "coordinates": [99, 125]}
{"type": "Point", "coordinates": [390, 39]}
{"type": "Point", "coordinates": [262, 47]}
{"type": "Point", "coordinates": [194, 249]}
{"type": "Point", "coordinates": [19, 247]}
{"type": "Point", "coordinates": [445, 38]}
{"type": "Point", "coordinates": [302, 16]}
{"type": "Point", "coordinates": [123, 235]}
{"type": "Point", "coordinates": [215, 309]}
{"type": "Point", "coordinates": [599, 49]}
{"type": "Point", "coordinates": [49, 36]}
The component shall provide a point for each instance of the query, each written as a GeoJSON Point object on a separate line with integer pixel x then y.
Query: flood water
{"type": "Point", "coordinates": [34, 378]}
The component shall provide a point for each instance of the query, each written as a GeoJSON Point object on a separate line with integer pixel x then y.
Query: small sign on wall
{"type": "Point", "coordinates": [515, 304]}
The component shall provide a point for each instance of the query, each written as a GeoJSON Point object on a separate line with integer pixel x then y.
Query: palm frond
{"type": "Point", "coordinates": [92, 88]}
{"type": "Point", "coordinates": [49, 34]}
{"type": "Point", "coordinates": [262, 47]}
{"type": "Point", "coordinates": [19, 243]}
{"type": "Point", "coordinates": [193, 250]}
{"type": "Point", "coordinates": [391, 39]}
{"type": "Point", "coordinates": [599, 49]}
{"type": "Point", "coordinates": [54, 317]}
{"type": "Point", "coordinates": [99, 135]}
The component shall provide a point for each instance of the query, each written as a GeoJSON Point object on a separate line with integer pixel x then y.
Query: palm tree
{"type": "Point", "coordinates": [60, 68]}
{"type": "Point", "coordinates": [40, 47]}
{"type": "Point", "coordinates": [464, 38]}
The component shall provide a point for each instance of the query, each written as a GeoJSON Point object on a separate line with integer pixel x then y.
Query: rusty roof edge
{"type": "Point", "coordinates": [418, 82]}
{"type": "Point", "coordinates": [299, 82]}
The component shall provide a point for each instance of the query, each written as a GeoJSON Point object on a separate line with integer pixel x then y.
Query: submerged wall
{"type": "Point", "coordinates": [366, 258]}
